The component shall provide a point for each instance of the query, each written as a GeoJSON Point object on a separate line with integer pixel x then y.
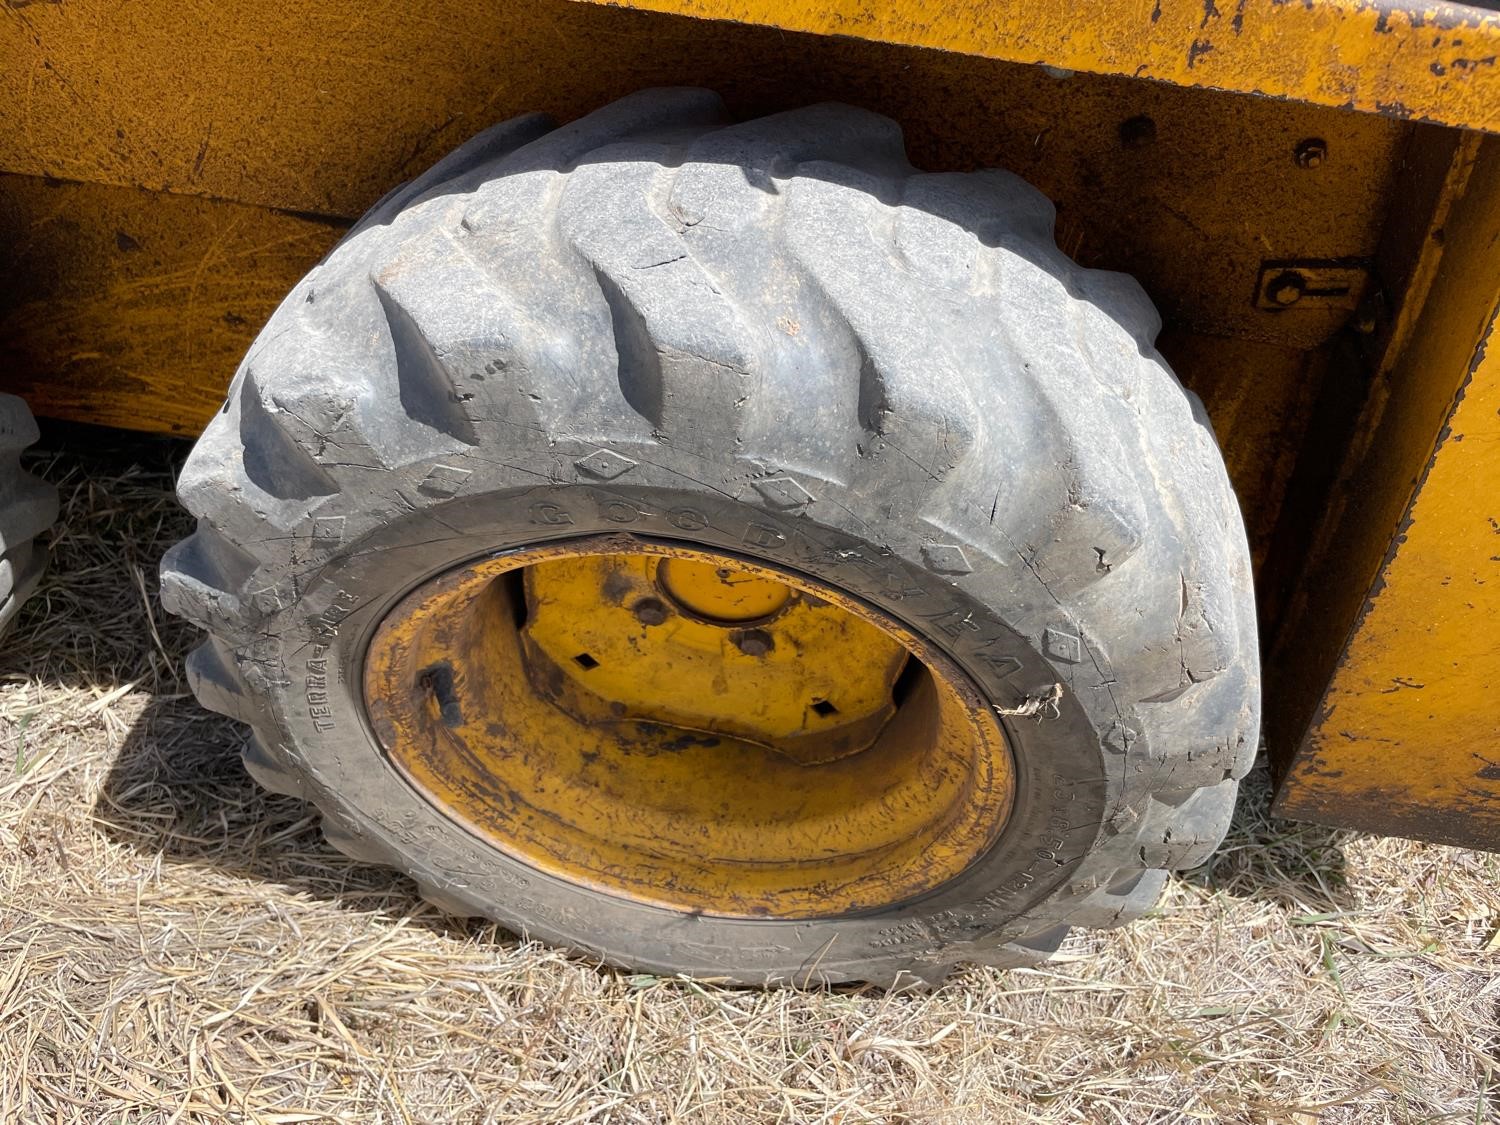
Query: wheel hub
{"type": "Point", "coordinates": [707, 647]}
{"type": "Point", "coordinates": [688, 729]}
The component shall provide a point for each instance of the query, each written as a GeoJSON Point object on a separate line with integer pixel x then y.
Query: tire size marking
{"type": "Point", "coordinates": [1051, 850]}
{"type": "Point", "coordinates": [326, 624]}
{"type": "Point", "coordinates": [315, 683]}
{"type": "Point", "coordinates": [550, 514]}
{"type": "Point", "coordinates": [315, 687]}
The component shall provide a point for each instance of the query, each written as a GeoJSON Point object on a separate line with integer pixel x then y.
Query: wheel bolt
{"type": "Point", "coordinates": [1286, 288]}
{"type": "Point", "coordinates": [649, 611]}
{"type": "Point", "coordinates": [1311, 153]}
{"type": "Point", "coordinates": [754, 642]}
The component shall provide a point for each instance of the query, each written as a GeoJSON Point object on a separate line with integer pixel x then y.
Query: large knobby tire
{"type": "Point", "coordinates": [889, 381]}
{"type": "Point", "coordinates": [28, 507]}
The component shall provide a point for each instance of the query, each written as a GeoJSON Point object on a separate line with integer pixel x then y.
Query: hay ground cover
{"type": "Point", "coordinates": [178, 946]}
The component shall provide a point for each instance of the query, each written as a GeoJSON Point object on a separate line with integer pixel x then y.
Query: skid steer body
{"type": "Point", "coordinates": [1309, 191]}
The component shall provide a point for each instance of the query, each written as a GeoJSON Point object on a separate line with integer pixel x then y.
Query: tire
{"type": "Point", "coordinates": [891, 381]}
{"type": "Point", "coordinates": [28, 507]}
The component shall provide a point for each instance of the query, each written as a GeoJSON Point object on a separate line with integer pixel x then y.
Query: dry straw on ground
{"type": "Point", "coordinates": [176, 946]}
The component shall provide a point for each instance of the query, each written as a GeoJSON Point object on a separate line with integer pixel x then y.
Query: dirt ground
{"type": "Point", "coordinates": [177, 946]}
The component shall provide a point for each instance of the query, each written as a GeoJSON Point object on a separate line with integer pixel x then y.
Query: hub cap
{"type": "Point", "coordinates": [688, 729]}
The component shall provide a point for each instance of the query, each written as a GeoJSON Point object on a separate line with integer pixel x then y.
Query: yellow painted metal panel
{"type": "Point", "coordinates": [132, 308]}
{"type": "Point", "coordinates": [1186, 191]}
{"type": "Point", "coordinates": [679, 815]}
{"type": "Point", "coordinates": [614, 639]}
{"type": "Point", "coordinates": [318, 107]}
{"type": "Point", "coordinates": [1407, 738]}
{"type": "Point", "coordinates": [1434, 62]}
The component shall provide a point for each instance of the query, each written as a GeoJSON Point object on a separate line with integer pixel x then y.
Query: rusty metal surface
{"type": "Point", "coordinates": [607, 641]}
{"type": "Point", "coordinates": [1403, 738]}
{"type": "Point", "coordinates": [1189, 192]}
{"type": "Point", "coordinates": [174, 171]}
{"type": "Point", "coordinates": [133, 309]}
{"type": "Point", "coordinates": [1425, 61]}
{"type": "Point", "coordinates": [682, 818]}
{"type": "Point", "coordinates": [315, 108]}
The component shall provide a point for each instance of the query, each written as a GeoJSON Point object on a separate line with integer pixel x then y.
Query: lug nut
{"type": "Point", "coordinates": [1286, 288]}
{"type": "Point", "coordinates": [649, 611]}
{"type": "Point", "coordinates": [1138, 132]}
{"type": "Point", "coordinates": [754, 642]}
{"type": "Point", "coordinates": [1311, 152]}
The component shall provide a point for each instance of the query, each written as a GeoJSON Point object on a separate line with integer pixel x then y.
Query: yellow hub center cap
{"type": "Point", "coordinates": [813, 682]}
{"type": "Point", "coordinates": [721, 593]}
{"type": "Point", "coordinates": [702, 776]}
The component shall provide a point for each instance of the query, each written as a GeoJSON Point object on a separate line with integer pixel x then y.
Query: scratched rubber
{"type": "Point", "coordinates": [28, 507]}
{"type": "Point", "coordinates": [773, 336]}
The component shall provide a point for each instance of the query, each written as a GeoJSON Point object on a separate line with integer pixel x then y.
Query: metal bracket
{"type": "Point", "coordinates": [1325, 283]}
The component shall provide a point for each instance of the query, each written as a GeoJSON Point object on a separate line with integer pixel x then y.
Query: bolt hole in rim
{"type": "Point", "coordinates": [841, 763]}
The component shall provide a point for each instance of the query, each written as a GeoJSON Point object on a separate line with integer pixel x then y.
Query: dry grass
{"type": "Point", "coordinates": [176, 946]}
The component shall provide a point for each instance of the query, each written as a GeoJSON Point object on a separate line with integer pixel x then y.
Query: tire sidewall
{"type": "Point", "coordinates": [314, 652]}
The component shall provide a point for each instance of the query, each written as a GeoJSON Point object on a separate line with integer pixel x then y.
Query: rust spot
{"type": "Point", "coordinates": [437, 680]}
{"type": "Point", "coordinates": [1138, 131]}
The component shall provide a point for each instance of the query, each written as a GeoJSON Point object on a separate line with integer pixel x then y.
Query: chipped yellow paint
{"type": "Point", "coordinates": [174, 164]}
{"type": "Point", "coordinates": [256, 114]}
{"type": "Point", "coordinates": [129, 308]}
{"type": "Point", "coordinates": [721, 593]}
{"type": "Point", "coordinates": [1432, 62]}
{"type": "Point", "coordinates": [1407, 738]}
{"type": "Point", "coordinates": [710, 648]}
{"type": "Point", "coordinates": [674, 816]}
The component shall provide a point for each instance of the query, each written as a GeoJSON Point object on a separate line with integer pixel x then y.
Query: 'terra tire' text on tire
{"type": "Point", "coordinates": [28, 507]}
{"type": "Point", "coordinates": [722, 549]}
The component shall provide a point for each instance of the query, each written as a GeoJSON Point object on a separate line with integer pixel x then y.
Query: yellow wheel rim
{"type": "Point", "coordinates": [688, 729]}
